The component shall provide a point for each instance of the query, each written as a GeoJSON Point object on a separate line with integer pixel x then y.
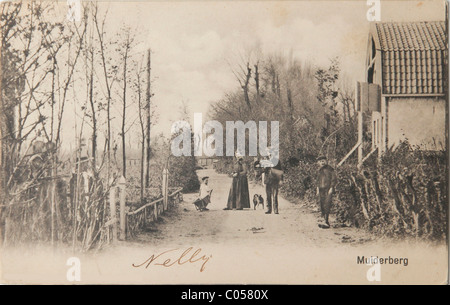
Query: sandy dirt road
{"type": "Point", "coordinates": [293, 224]}
{"type": "Point", "coordinates": [235, 247]}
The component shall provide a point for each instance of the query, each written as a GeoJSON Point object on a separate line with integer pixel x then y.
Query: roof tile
{"type": "Point", "coordinates": [413, 56]}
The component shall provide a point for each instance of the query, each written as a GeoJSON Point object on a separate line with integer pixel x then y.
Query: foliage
{"type": "Point", "coordinates": [45, 195]}
{"type": "Point", "coordinates": [405, 194]}
{"type": "Point", "coordinates": [314, 113]}
{"type": "Point", "coordinates": [299, 181]}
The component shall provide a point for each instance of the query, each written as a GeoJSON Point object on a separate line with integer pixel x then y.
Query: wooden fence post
{"type": "Point", "coordinates": [112, 209]}
{"type": "Point", "coordinates": [122, 185]}
{"type": "Point", "coordinates": [165, 190]}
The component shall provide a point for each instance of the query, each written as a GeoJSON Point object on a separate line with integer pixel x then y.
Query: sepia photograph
{"type": "Point", "coordinates": [224, 143]}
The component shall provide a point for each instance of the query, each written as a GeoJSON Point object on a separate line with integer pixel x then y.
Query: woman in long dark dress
{"type": "Point", "coordinates": [239, 196]}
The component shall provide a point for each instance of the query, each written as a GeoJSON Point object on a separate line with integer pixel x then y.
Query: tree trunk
{"type": "Point", "coordinates": [124, 108]}
{"type": "Point", "coordinates": [94, 118]}
{"type": "Point", "coordinates": [245, 86]}
{"type": "Point", "coordinates": [147, 175]}
{"type": "Point", "coordinates": [142, 125]}
{"type": "Point", "coordinates": [142, 167]}
{"type": "Point", "coordinates": [258, 96]}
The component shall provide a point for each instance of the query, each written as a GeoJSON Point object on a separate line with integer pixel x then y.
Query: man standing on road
{"type": "Point", "coordinates": [326, 183]}
{"type": "Point", "coordinates": [272, 177]}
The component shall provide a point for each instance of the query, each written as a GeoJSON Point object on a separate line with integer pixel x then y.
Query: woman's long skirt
{"type": "Point", "coordinates": [239, 196]}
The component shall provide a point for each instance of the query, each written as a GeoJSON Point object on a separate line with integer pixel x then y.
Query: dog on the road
{"type": "Point", "coordinates": [258, 199]}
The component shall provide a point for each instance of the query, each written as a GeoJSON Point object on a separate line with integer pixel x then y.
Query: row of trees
{"type": "Point", "coordinates": [402, 193]}
{"type": "Point", "coordinates": [314, 107]}
{"type": "Point", "coordinates": [65, 86]}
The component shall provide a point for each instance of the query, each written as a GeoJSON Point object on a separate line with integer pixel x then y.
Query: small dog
{"type": "Point", "coordinates": [258, 199]}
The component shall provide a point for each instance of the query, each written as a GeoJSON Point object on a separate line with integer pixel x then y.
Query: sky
{"type": "Point", "coordinates": [195, 43]}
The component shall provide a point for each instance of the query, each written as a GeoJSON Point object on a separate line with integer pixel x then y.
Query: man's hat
{"type": "Point", "coordinates": [321, 157]}
{"type": "Point", "coordinates": [204, 178]}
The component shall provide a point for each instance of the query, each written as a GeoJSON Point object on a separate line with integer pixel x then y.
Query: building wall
{"type": "Point", "coordinates": [420, 120]}
{"type": "Point", "coordinates": [384, 125]}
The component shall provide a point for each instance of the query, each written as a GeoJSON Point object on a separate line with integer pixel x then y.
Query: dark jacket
{"type": "Point", "coordinates": [326, 177]}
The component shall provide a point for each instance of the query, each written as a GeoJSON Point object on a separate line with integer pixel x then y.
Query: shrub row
{"type": "Point", "coordinates": [402, 194]}
{"type": "Point", "coordinates": [405, 193]}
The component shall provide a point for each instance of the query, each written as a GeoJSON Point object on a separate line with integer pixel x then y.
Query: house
{"type": "Point", "coordinates": [404, 92]}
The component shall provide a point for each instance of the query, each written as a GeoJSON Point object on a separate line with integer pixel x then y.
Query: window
{"type": "Point", "coordinates": [376, 129]}
{"type": "Point", "coordinates": [371, 63]}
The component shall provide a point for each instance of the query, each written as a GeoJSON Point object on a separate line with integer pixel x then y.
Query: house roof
{"type": "Point", "coordinates": [413, 56]}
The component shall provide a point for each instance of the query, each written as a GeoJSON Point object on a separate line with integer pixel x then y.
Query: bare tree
{"type": "Point", "coordinates": [146, 116]}
{"type": "Point", "coordinates": [110, 71]}
{"type": "Point", "coordinates": [138, 88]}
{"type": "Point", "coordinates": [126, 46]}
{"type": "Point", "coordinates": [244, 80]}
{"type": "Point", "coordinates": [257, 85]}
{"type": "Point", "coordinates": [34, 91]}
{"type": "Point", "coordinates": [148, 112]}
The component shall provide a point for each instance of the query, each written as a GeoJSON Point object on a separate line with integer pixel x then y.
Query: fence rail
{"type": "Point", "coordinates": [178, 191]}
{"type": "Point", "coordinates": [131, 222]}
{"type": "Point", "coordinates": [138, 219]}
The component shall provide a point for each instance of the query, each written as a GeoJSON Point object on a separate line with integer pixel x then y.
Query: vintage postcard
{"type": "Point", "coordinates": [224, 142]}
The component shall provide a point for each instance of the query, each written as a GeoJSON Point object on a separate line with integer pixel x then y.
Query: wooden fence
{"type": "Point", "coordinates": [132, 222]}
{"type": "Point", "coordinates": [138, 219]}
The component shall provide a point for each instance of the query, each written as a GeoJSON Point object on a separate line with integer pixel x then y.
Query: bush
{"type": "Point", "coordinates": [299, 181]}
{"type": "Point", "coordinates": [224, 165]}
{"type": "Point", "coordinates": [347, 199]}
{"type": "Point", "coordinates": [404, 194]}
{"type": "Point", "coordinates": [182, 174]}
